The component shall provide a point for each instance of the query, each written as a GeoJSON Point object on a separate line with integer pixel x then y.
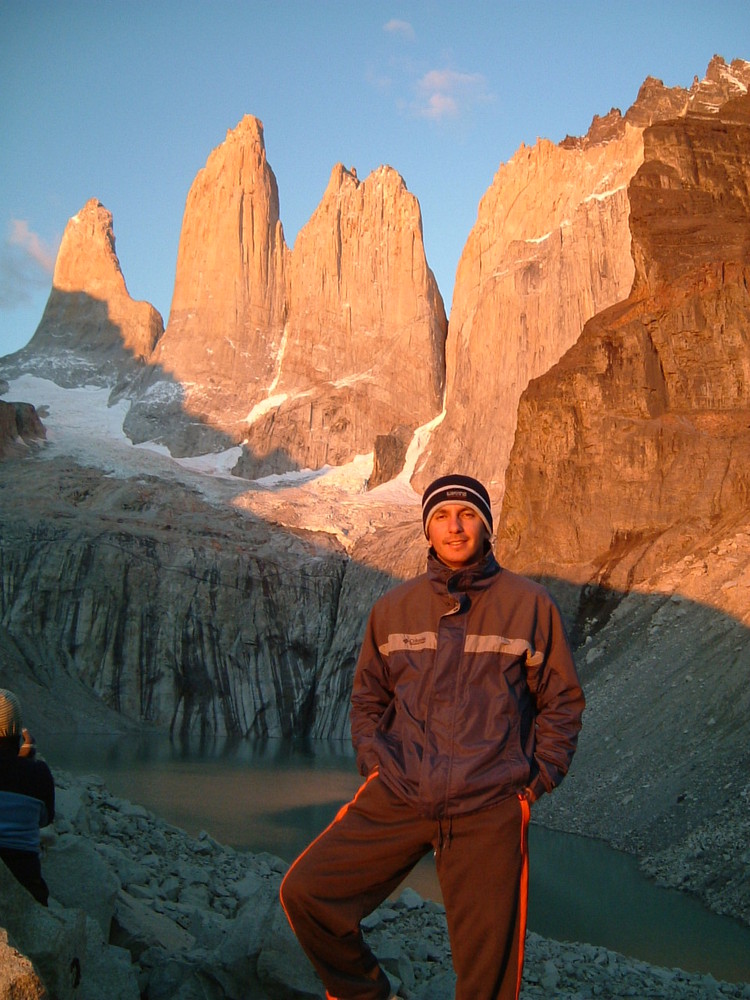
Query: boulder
{"type": "Point", "coordinates": [79, 878]}
{"type": "Point", "coordinates": [67, 949]}
{"type": "Point", "coordinates": [20, 428]}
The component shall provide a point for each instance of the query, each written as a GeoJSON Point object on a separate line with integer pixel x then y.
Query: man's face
{"type": "Point", "coordinates": [457, 535]}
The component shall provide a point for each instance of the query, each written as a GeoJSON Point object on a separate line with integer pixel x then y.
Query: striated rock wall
{"type": "Point", "coordinates": [637, 444]}
{"type": "Point", "coordinates": [171, 611]}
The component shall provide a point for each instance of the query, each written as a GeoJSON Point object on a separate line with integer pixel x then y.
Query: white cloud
{"type": "Point", "coordinates": [438, 106]}
{"type": "Point", "coordinates": [396, 27]}
{"type": "Point", "coordinates": [26, 264]}
{"type": "Point", "coordinates": [40, 252]}
{"type": "Point", "coordinates": [446, 93]}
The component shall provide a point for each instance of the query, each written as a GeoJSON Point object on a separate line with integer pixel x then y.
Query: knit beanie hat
{"type": "Point", "coordinates": [456, 489]}
{"type": "Point", "coordinates": [10, 714]}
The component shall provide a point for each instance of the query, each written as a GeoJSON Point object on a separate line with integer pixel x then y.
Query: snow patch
{"type": "Point", "coordinates": [604, 195]}
{"type": "Point", "coordinates": [269, 403]}
{"type": "Point", "coordinates": [278, 360]}
{"type": "Point", "coordinates": [82, 425]}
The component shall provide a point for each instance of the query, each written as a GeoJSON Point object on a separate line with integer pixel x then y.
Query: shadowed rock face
{"type": "Point", "coordinates": [638, 442]}
{"type": "Point", "coordinates": [173, 612]}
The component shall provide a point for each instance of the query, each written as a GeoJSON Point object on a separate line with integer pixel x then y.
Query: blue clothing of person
{"type": "Point", "coordinates": [27, 802]}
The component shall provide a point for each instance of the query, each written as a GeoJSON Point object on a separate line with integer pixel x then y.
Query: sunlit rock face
{"type": "Point", "coordinates": [551, 248]}
{"type": "Point", "coordinates": [308, 357]}
{"type": "Point", "coordinates": [304, 356]}
{"type": "Point", "coordinates": [91, 329]}
{"type": "Point", "coordinates": [363, 348]}
{"type": "Point", "coordinates": [637, 444]}
{"type": "Point", "coordinates": [217, 356]}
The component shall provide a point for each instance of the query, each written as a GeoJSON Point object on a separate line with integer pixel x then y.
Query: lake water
{"type": "Point", "coordinates": [277, 796]}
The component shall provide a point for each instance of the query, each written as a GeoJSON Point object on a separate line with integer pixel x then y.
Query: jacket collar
{"type": "Point", "coordinates": [467, 578]}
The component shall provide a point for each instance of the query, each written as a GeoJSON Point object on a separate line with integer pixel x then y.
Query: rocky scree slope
{"type": "Point", "coordinates": [166, 915]}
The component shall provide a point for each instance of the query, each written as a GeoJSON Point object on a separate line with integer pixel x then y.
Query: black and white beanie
{"type": "Point", "coordinates": [456, 489]}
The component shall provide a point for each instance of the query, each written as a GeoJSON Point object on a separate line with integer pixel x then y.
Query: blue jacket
{"type": "Point", "coordinates": [465, 690]}
{"type": "Point", "coordinates": [27, 801]}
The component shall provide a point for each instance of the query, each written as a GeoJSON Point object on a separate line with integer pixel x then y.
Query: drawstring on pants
{"type": "Point", "coordinates": [444, 836]}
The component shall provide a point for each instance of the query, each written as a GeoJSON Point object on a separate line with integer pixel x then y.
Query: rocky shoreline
{"type": "Point", "coordinates": [140, 909]}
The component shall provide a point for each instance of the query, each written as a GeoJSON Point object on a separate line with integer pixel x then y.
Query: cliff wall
{"type": "Point", "coordinates": [550, 249]}
{"type": "Point", "coordinates": [636, 445]}
{"type": "Point", "coordinates": [169, 610]}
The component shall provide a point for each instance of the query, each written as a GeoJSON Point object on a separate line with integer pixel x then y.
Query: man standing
{"type": "Point", "coordinates": [466, 707]}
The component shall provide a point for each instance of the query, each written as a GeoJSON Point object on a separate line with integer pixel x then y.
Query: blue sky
{"type": "Point", "coordinates": [123, 100]}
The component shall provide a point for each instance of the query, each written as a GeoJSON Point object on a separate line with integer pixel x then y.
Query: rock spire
{"type": "Point", "coordinates": [364, 342]}
{"type": "Point", "coordinates": [230, 297]}
{"type": "Point", "coordinates": [90, 321]}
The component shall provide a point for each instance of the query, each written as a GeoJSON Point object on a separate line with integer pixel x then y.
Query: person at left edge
{"type": "Point", "coordinates": [27, 799]}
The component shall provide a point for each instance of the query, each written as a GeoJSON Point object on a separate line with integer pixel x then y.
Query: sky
{"type": "Point", "coordinates": [124, 100]}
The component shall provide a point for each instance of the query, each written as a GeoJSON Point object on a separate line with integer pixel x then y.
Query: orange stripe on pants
{"type": "Point", "coordinates": [523, 901]}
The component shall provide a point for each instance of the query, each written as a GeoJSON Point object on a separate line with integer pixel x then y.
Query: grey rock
{"type": "Point", "coordinates": [166, 949]}
{"type": "Point", "coordinates": [138, 927]}
{"type": "Point", "coordinates": [283, 968]}
{"type": "Point", "coordinates": [78, 877]}
{"type": "Point", "coordinates": [67, 949]}
{"type": "Point", "coordinates": [228, 618]}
